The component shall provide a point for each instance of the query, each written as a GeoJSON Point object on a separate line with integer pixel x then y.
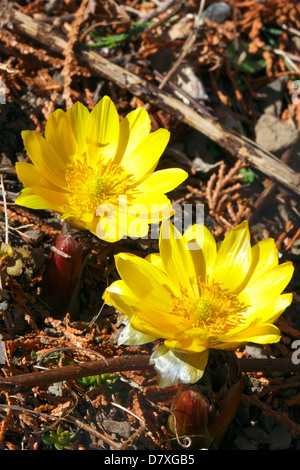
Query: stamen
{"type": "Point", "coordinates": [103, 183]}
{"type": "Point", "coordinates": [215, 310]}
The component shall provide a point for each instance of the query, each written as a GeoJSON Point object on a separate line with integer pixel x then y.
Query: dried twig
{"type": "Point", "coordinates": [46, 377]}
{"type": "Point", "coordinates": [69, 53]}
{"type": "Point", "coordinates": [268, 411]}
{"type": "Point", "coordinates": [223, 196]}
{"type": "Point", "coordinates": [124, 363]}
{"type": "Point", "coordinates": [160, 9]}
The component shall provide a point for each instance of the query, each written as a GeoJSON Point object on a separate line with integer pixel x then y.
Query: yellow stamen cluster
{"type": "Point", "coordinates": [214, 310]}
{"type": "Point", "coordinates": [90, 188]}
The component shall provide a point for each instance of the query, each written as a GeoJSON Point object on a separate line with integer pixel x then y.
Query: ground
{"type": "Point", "coordinates": [238, 67]}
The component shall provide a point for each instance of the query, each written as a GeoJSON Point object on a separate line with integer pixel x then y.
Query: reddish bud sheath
{"type": "Point", "coordinates": [62, 274]}
{"type": "Point", "coordinates": [189, 416]}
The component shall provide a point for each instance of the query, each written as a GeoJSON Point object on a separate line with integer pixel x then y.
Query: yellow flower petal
{"type": "Point", "coordinates": [155, 259]}
{"type": "Point", "coordinates": [44, 157]}
{"type": "Point", "coordinates": [121, 297]}
{"type": "Point", "coordinates": [272, 312]}
{"type": "Point", "coordinates": [144, 279]}
{"type": "Point", "coordinates": [133, 129]}
{"type": "Point", "coordinates": [267, 287]}
{"type": "Point", "coordinates": [146, 155]}
{"type": "Point", "coordinates": [261, 334]}
{"type": "Point", "coordinates": [102, 134]}
{"type": "Point", "coordinates": [233, 259]}
{"type": "Point", "coordinates": [264, 257]}
{"type": "Point", "coordinates": [162, 181]}
{"type": "Point", "coordinates": [59, 135]}
{"type": "Point", "coordinates": [33, 201]}
{"type": "Point", "coordinates": [187, 344]}
{"type": "Point", "coordinates": [27, 173]}
{"type": "Point", "coordinates": [78, 115]}
{"type": "Point", "coordinates": [176, 258]}
{"type": "Point", "coordinates": [154, 208]}
{"type": "Point", "coordinates": [203, 249]}
{"type": "Point", "coordinates": [152, 322]}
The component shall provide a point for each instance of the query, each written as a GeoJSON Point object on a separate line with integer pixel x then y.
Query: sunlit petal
{"type": "Point", "coordinates": [147, 154]}
{"type": "Point", "coordinates": [133, 129]}
{"type": "Point", "coordinates": [44, 157]}
{"type": "Point", "coordinates": [203, 249]}
{"type": "Point", "coordinates": [102, 134]}
{"type": "Point", "coordinates": [59, 134]}
{"type": "Point", "coordinates": [233, 259]}
{"type": "Point", "coordinates": [78, 115]}
{"type": "Point", "coordinates": [174, 367]}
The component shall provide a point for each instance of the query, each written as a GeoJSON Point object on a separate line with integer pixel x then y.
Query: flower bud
{"type": "Point", "coordinates": [189, 417]}
{"type": "Point", "coordinates": [62, 275]}
{"type": "Point", "coordinates": [203, 412]}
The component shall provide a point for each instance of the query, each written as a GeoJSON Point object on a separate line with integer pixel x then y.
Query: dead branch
{"type": "Point", "coordinates": [73, 372]}
{"type": "Point", "coordinates": [121, 364]}
{"type": "Point", "coordinates": [237, 145]}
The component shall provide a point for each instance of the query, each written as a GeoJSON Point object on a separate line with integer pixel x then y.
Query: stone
{"type": "Point", "coordinates": [122, 428]}
{"type": "Point", "coordinates": [187, 80]}
{"type": "Point", "coordinates": [217, 12]}
{"type": "Point", "coordinates": [275, 135]}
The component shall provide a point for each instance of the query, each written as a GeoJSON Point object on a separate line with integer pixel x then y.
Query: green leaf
{"type": "Point", "coordinates": [47, 440]}
{"type": "Point", "coordinates": [58, 446]}
{"type": "Point", "coordinates": [249, 176]}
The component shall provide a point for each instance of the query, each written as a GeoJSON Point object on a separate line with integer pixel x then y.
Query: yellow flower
{"type": "Point", "coordinates": [97, 172]}
{"type": "Point", "coordinates": [196, 294]}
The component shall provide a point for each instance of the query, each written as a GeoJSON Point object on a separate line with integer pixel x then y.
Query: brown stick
{"type": "Point", "coordinates": [73, 372]}
{"type": "Point", "coordinates": [121, 364]}
{"type": "Point", "coordinates": [235, 144]}
{"type": "Point", "coordinates": [268, 365]}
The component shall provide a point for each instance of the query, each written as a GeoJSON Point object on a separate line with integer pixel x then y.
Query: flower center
{"type": "Point", "coordinates": [203, 309]}
{"type": "Point", "coordinates": [91, 186]}
{"type": "Point", "coordinates": [214, 310]}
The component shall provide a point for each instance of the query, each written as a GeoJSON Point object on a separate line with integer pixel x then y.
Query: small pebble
{"type": "Point", "coordinates": [122, 428]}
{"type": "Point", "coordinates": [218, 12]}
